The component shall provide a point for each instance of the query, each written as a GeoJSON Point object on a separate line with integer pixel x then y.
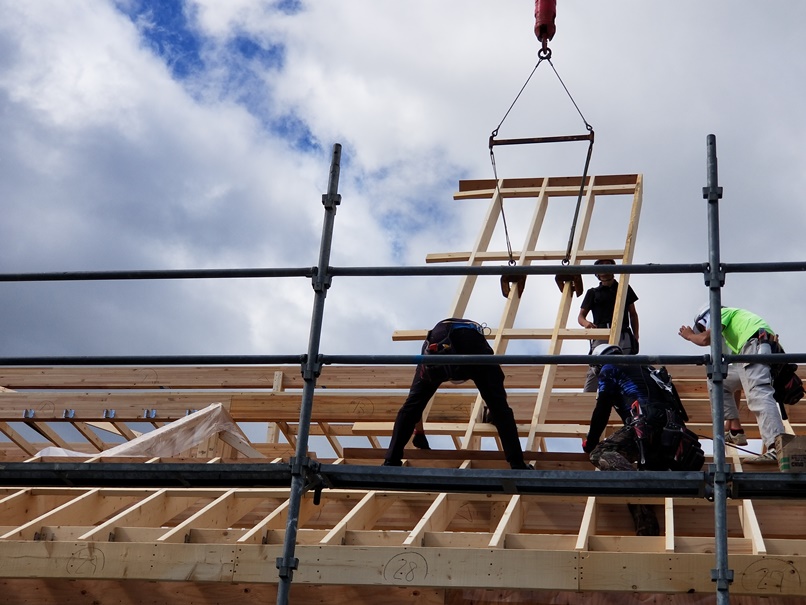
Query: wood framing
{"type": "Point", "coordinates": [192, 545]}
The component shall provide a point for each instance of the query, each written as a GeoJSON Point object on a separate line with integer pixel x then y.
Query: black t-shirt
{"type": "Point", "coordinates": [601, 301]}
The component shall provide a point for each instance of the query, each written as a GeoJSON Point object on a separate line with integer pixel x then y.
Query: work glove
{"type": "Point", "coordinates": [588, 445]}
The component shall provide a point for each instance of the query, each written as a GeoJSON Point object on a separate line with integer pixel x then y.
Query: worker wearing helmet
{"type": "Point", "coordinates": [747, 334]}
{"type": "Point", "coordinates": [456, 336]}
{"type": "Point", "coordinates": [653, 437]}
{"type": "Point", "coordinates": [601, 302]}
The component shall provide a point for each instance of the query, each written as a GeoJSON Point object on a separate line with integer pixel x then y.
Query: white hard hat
{"type": "Point", "coordinates": [703, 319]}
{"type": "Point", "coordinates": [606, 349]}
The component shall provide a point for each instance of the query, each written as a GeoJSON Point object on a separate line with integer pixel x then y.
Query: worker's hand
{"type": "Point", "coordinates": [686, 332]}
{"type": "Point", "coordinates": [589, 325]}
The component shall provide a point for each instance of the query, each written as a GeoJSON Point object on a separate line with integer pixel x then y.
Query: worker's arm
{"type": "Point", "coordinates": [582, 319]}
{"type": "Point", "coordinates": [702, 339]}
{"type": "Point", "coordinates": [633, 319]}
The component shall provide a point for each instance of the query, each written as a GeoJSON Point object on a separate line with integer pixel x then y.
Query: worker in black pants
{"type": "Point", "coordinates": [457, 337]}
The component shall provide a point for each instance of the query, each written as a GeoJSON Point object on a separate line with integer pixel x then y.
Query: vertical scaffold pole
{"type": "Point", "coordinates": [301, 466]}
{"type": "Point", "coordinates": [717, 370]}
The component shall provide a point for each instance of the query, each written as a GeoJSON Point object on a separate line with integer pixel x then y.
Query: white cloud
{"type": "Point", "coordinates": [110, 162]}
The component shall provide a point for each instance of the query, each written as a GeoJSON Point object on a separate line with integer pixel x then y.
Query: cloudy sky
{"type": "Point", "coordinates": [150, 134]}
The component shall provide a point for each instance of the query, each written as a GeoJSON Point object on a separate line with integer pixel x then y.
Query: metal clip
{"type": "Point", "coordinates": [27, 413]}
{"type": "Point", "coordinates": [68, 414]}
{"type": "Point", "coordinates": [149, 413]}
{"type": "Point", "coordinates": [109, 413]}
{"type": "Point", "coordinates": [191, 411]}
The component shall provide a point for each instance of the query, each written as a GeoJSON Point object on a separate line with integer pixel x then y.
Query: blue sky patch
{"type": "Point", "coordinates": [164, 26]}
{"type": "Point", "coordinates": [295, 130]}
{"type": "Point", "coordinates": [167, 27]}
{"type": "Point", "coordinates": [289, 7]}
{"type": "Point", "coordinates": [246, 48]}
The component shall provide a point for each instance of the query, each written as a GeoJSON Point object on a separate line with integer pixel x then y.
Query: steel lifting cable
{"type": "Point", "coordinates": [544, 54]}
{"type": "Point", "coordinates": [494, 133]}
{"type": "Point", "coordinates": [589, 128]}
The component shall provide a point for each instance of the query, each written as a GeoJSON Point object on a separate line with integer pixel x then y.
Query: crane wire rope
{"type": "Point", "coordinates": [544, 54]}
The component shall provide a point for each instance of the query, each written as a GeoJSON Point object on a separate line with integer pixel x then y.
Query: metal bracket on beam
{"type": "Point", "coordinates": [28, 413]}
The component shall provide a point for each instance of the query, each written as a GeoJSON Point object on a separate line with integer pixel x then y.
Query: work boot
{"type": "Point", "coordinates": [646, 523]}
{"type": "Point", "coordinates": [768, 457]}
{"type": "Point", "coordinates": [735, 439]}
{"type": "Point", "coordinates": [392, 463]}
{"type": "Point", "coordinates": [420, 441]}
{"type": "Point", "coordinates": [522, 467]}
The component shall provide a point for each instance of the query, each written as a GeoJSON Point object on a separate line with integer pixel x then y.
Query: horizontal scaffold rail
{"type": "Point", "coordinates": [410, 360]}
{"type": "Point", "coordinates": [338, 476]}
{"type": "Point", "coordinates": [400, 271]}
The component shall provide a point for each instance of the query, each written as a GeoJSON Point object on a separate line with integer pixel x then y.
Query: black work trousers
{"type": "Point", "coordinates": [489, 380]}
{"type": "Point", "coordinates": [616, 453]}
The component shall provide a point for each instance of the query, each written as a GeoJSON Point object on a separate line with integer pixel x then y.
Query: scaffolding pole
{"type": "Point", "coordinates": [722, 575]}
{"type": "Point", "coordinates": [302, 467]}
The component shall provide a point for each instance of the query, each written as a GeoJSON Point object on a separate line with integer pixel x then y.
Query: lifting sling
{"type": "Point", "coordinates": [545, 13]}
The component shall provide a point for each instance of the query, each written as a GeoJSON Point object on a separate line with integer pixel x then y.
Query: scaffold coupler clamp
{"type": "Point", "coordinates": [711, 367]}
{"type": "Point", "coordinates": [331, 200]}
{"type": "Point", "coordinates": [311, 371]}
{"type": "Point", "coordinates": [710, 278]}
{"type": "Point", "coordinates": [722, 581]}
{"type": "Point", "coordinates": [309, 470]}
{"type": "Point", "coordinates": [715, 476]}
{"type": "Point", "coordinates": [712, 194]}
{"type": "Point", "coordinates": [320, 282]}
{"type": "Point", "coordinates": [286, 567]}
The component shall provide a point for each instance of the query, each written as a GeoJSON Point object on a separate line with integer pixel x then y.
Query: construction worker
{"type": "Point", "coordinates": [456, 336]}
{"type": "Point", "coordinates": [747, 334]}
{"type": "Point", "coordinates": [731, 396]}
{"type": "Point", "coordinates": [653, 437]}
{"type": "Point", "coordinates": [601, 301]}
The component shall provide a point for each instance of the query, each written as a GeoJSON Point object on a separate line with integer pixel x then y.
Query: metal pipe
{"type": "Point", "coordinates": [299, 465]}
{"type": "Point", "coordinates": [722, 575]}
{"type": "Point", "coordinates": [180, 360]}
{"type": "Point", "coordinates": [152, 360]}
{"type": "Point", "coordinates": [157, 274]}
{"type": "Point", "coordinates": [701, 268]}
{"type": "Point", "coordinates": [528, 141]}
{"type": "Point", "coordinates": [670, 484]}
{"type": "Point", "coordinates": [646, 269]}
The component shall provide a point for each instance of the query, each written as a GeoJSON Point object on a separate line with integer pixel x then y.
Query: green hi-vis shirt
{"type": "Point", "coordinates": [738, 325]}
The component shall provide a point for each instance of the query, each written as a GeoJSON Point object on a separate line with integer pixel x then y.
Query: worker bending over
{"type": "Point", "coordinates": [456, 336]}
